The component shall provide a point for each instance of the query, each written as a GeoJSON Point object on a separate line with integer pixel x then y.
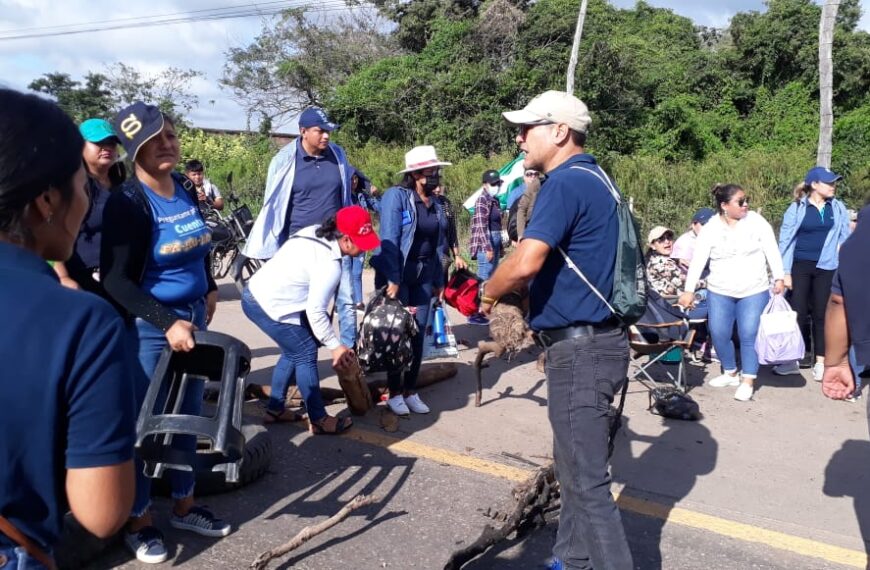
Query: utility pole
{"type": "Point", "coordinates": [826, 82]}
{"type": "Point", "coordinates": [575, 49]}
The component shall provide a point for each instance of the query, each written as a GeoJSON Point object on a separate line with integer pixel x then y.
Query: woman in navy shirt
{"type": "Point", "coordinates": [813, 228]}
{"type": "Point", "coordinates": [154, 264]}
{"type": "Point", "coordinates": [413, 237]}
{"type": "Point", "coordinates": [100, 157]}
{"type": "Point", "coordinates": [68, 426]}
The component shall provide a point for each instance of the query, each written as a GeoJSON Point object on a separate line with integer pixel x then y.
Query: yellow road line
{"type": "Point", "coordinates": [408, 447]}
{"type": "Point", "coordinates": [676, 515]}
{"type": "Point", "coordinates": [745, 532]}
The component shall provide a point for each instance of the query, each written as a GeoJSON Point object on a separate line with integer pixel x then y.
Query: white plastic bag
{"type": "Point", "coordinates": [779, 336]}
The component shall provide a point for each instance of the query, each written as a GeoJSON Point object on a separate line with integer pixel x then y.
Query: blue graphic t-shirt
{"type": "Point", "coordinates": [175, 271]}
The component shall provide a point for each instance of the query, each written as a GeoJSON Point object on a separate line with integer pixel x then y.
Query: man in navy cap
{"type": "Point", "coordinates": [308, 181]}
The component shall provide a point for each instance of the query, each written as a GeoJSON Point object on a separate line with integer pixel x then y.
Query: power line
{"type": "Point", "coordinates": [213, 14]}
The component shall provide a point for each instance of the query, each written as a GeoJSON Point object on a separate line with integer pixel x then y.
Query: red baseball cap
{"type": "Point", "coordinates": [356, 223]}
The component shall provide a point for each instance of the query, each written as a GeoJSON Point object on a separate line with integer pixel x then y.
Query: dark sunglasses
{"type": "Point", "coordinates": [666, 237]}
{"type": "Point", "coordinates": [529, 126]}
{"type": "Point", "coordinates": [743, 201]}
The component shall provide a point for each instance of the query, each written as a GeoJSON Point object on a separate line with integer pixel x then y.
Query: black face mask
{"type": "Point", "coordinates": [432, 182]}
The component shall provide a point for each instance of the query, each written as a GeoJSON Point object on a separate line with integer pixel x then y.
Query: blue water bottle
{"type": "Point", "coordinates": [438, 326]}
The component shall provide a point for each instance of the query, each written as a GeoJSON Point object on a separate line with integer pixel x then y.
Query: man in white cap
{"type": "Point", "coordinates": [587, 348]}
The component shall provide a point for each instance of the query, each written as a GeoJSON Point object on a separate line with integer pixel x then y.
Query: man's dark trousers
{"type": "Point", "coordinates": [583, 376]}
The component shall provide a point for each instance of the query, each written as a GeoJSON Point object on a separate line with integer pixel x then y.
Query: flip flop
{"type": "Point", "coordinates": [341, 425]}
{"type": "Point", "coordinates": [272, 417]}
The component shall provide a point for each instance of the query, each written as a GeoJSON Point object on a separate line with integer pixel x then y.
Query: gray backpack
{"type": "Point", "coordinates": [628, 298]}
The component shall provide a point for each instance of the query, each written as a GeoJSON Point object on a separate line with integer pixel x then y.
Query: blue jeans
{"type": "Point", "coordinates": [584, 375]}
{"type": "Point", "coordinates": [17, 559]}
{"type": "Point", "coordinates": [724, 311]}
{"type": "Point", "coordinates": [344, 304]}
{"type": "Point", "coordinates": [357, 264]}
{"type": "Point", "coordinates": [415, 290]}
{"type": "Point", "coordinates": [148, 342]}
{"type": "Point", "coordinates": [298, 360]}
{"type": "Point", "coordinates": [485, 268]}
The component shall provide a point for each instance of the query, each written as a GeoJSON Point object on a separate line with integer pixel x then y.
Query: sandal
{"type": "Point", "coordinates": [282, 417]}
{"type": "Point", "coordinates": [331, 425]}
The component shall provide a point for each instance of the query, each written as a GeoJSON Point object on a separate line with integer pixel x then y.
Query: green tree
{"type": "Point", "coordinates": [93, 99]}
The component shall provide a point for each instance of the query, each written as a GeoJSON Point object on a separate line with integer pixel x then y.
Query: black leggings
{"type": "Point", "coordinates": [811, 288]}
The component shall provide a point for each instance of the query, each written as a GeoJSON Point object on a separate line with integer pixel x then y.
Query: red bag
{"type": "Point", "coordinates": [463, 292]}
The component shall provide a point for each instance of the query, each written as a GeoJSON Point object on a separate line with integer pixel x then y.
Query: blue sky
{"type": "Point", "coordinates": [199, 46]}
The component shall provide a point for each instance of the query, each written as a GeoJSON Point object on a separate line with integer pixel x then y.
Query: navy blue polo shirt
{"type": "Point", "coordinates": [66, 392]}
{"type": "Point", "coordinates": [813, 232]}
{"type": "Point", "coordinates": [574, 211]}
{"type": "Point", "coordinates": [425, 242]}
{"type": "Point", "coordinates": [316, 192]}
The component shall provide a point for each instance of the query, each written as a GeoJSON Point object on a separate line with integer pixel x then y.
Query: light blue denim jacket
{"type": "Point", "coordinates": [791, 223]}
{"type": "Point", "coordinates": [263, 241]}
{"type": "Point", "coordinates": [398, 218]}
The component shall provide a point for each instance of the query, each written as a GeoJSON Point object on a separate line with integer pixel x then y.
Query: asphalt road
{"type": "Point", "coordinates": [779, 482]}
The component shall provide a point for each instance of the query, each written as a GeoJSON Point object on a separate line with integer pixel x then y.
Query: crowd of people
{"type": "Point", "coordinates": [129, 270]}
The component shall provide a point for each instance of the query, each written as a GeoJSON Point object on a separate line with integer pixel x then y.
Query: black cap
{"type": "Point", "coordinates": [137, 124]}
{"type": "Point", "coordinates": [492, 177]}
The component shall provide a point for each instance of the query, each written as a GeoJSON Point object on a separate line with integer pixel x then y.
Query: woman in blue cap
{"type": "Point", "coordinates": [105, 171]}
{"type": "Point", "coordinates": [155, 265]}
{"type": "Point", "coordinates": [813, 228]}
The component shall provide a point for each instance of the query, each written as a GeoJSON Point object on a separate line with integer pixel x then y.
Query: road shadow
{"type": "Point", "coordinates": [310, 478]}
{"type": "Point", "coordinates": [846, 476]}
{"type": "Point", "coordinates": [660, 476]}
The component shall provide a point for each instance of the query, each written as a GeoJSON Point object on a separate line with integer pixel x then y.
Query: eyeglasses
{"type": "Point", "coordinates": [524, 129]}
{"type": "Point", "coordinates": [664, 238]}
{"type": "Point", "coordinates": [531, 174]}
{"type": "Point", "coordinates": [743, 201]}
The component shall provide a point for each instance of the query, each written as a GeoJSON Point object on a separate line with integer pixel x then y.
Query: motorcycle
{"type": "Point", "coordinates": [229, 233]}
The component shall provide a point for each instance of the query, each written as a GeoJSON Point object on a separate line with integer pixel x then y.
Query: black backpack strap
{"type": "Point", "coordinates": [616, 422]}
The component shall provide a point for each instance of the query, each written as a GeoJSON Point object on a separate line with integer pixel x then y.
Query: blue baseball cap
{"type": "Point", "coordinates": [98, 130]}
{"type": "Point", "coordinates": [137, 124]}
{"type": "Point", "coordinates": [821, 174]}
{"type": "Point", "coordinates": [316, 117]}
{"type": "Point", "coordinates": [703, 216]}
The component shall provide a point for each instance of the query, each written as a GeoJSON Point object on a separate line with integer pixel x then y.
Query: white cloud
{"type": "Point", "coordinates": [199, 46]}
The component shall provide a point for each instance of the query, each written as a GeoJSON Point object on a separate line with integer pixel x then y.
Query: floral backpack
{"type": "Point", "coordinates": [384, 339]}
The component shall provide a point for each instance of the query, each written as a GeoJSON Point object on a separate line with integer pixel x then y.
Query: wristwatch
{"type": "Point", "coordinates": [483, 297]}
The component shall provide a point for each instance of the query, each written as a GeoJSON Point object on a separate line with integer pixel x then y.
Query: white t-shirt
{"type": "Point", "coordinates": [210, 190]}
{"type": "Point", "coordinates": [739, 257]}
{"type": "Point", "coordinates": [303, 276]}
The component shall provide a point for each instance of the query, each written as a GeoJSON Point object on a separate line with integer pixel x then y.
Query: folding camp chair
{"type": "Point", "coordinates": [664, 336]}
{"type": "Point", "coordinates": [660, 353]}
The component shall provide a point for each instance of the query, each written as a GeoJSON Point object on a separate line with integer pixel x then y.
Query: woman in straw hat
{"type": "Point", "coordinates": [413, 238]}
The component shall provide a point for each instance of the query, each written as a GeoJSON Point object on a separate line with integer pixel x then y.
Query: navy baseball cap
{"type": "Point", "coordinates": [316, 117]}
{"type": "Point", "coordinates": [703, 216]}
{"type": "Point", "coordinates": [137, 124]}
{"type": "Point", "coordinates": [821, 174]}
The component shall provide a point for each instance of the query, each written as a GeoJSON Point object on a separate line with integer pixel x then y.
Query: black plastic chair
{"type": "Point", "coordinates": [217, 358]}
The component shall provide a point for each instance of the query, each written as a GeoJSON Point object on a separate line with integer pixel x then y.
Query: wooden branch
{"type": "Point", "coordinates": [535, 493]}
{"type": "Point", "coordinates": [310, 532]}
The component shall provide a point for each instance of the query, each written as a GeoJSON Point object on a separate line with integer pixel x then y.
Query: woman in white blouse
{"type": "Point", "coordinates": [740, 247]}
{"type": "Point", "coordinates": [288, 298]}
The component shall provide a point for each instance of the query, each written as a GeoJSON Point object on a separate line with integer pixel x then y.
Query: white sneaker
{"type": "Point", "coordinates": [416, 405]}
{"type": "Point", "coordinates": [786, 369]}
{"type": "Point", "coordinates": [398, 406]}
{"type": "Point", "coordinates": [744, 392]}
{"type": "Point", "coordinates": [147, 545]}
{"type": "Point", "coordinates": [818, 371]}
{"type": "Point", "coordinates": [724, 380]}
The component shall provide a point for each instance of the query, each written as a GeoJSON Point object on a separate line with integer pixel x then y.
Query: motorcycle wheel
{"type": "Point", "coordinates": [243, 269]}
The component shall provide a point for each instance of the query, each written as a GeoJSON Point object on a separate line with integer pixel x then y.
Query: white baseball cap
{"type": "Point", "coordinates": [553, 107]}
